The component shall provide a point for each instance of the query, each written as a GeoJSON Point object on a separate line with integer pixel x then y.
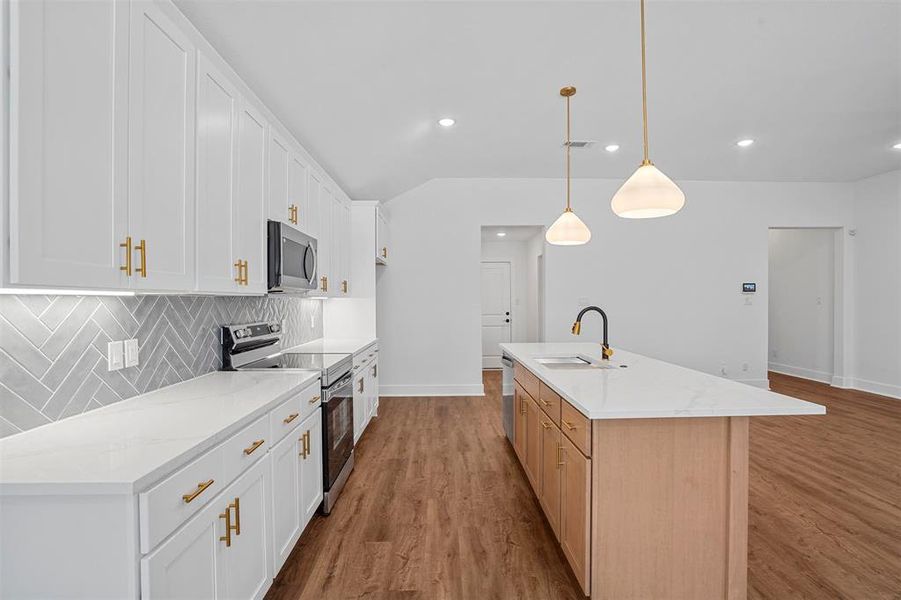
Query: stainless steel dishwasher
{"type": "Point", "coordinates": [507, 396]}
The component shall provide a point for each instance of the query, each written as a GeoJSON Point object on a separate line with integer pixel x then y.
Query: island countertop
{"type": "Point", "coordinates": [647, 388]}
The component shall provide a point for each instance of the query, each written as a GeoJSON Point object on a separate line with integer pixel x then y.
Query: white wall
{"type": "Point", "coordinates": [801, 306]}
{"type": "Point", "coordinates": [877, 241]}
{"type": "Point", "coordinates": [670, 286]}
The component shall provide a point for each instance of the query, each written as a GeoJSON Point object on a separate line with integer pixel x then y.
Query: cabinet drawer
{"type": "Point", "coordinates": [245, 447]}
{"type": "Point", "coordinates": [288, 415]}
{"type": "Point", "coordinates": [365, 355]}
{"type": "Point", "coordinates": [170, 503]}
{"type": "Point", "coordinates": [549, 402]}
{"type": "Point", "coordinates": [526, 379]}
{"type": "Point", "coordinates": [576, 426]}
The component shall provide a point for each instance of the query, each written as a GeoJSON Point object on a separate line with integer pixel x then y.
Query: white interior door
{"type": "Point", "coordinates": [496, 315]}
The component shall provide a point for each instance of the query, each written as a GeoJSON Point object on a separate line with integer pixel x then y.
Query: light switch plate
{"type": "Point", "coordinates": [131, 352]}
{"type": "Point", "coordinates": [114, 356]}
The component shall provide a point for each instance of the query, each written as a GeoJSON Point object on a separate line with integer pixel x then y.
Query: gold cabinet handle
{"type": "Point", "coordinates": [385, 252]}
{"type": "Point", "coordinates": [227, 538]}
{"type": "Point", "coordinates": [306, 441]}
{"type": "Point", "coordinates": [292, 213]}
{"type": "Point", "coordinates": [314, 399]}
{"type": "Point", "coordinates": [239, 265]}
{"type": "Point", "coordinates": [569, 426]}
{"type": "Point", "coordinates": [142, 248]}
{"type": "Point", "coordinates": [375, 370]}
{"type": "Point", "coordinates": [237, 506]}
{"type": "Point", "coordinates": [545, 402]}
{"type": "Point", "coordinates": [324, 283]}
{"type": "Point", "coordinates": [252, 448]}
{"type": "Point", "coordinates": [290, 418]}
{"type": "Point", "coordinates": [361, 385]}
{"type": "Point", "coordinates": [560, 461]}
{"type": "Point", "coordinates": [127, 245]}
{"type": "Point", "coordinates": [203, 485]}
{"type": "Point", "coordinates": [344, 286]}
{"type": "Point", "coordinates": [246, 274]}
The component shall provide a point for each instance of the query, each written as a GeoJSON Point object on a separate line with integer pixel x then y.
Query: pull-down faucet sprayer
{"type": "Point", "coordinates": [606, 352]}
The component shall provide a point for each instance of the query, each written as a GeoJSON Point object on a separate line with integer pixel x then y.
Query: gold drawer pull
{"type": "Point", "coordinates": [545, 402]}
{"type": "Point", "coordinates": [142, 248]}
{"type": "Point", "coordinates": [560, 461]}
{"type": "Point", "coordinates": [569, 426]}
{"type": "Point", "coordinates": [344, 286]}
{"type": "Point", "coordinates": [240, 266]}
{"type": "Point", "coordinates": [304, 445]}
{"type": "Point", "coordinates": [324, 280]}
{"type": "Point", "coordinates": [290, 418]}
{"type": "Point", "coordinates": [250, 449]}
{"type": "Point", "coordinates": [385, 252]}
{"type": "Point", "coordinates": [314, 399]}
{"type": "Point", "coordinates": [237, 506]}
{"type": "Point", "coordinates": [203, 485]}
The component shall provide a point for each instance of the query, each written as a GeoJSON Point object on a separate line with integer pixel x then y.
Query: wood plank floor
{"type": "Point", "coordinates": [438, 507]}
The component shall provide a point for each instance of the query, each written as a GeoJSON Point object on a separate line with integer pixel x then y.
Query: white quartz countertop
{"type": "Point", "coordinates": [335, 345]}
{"type": "Point", "coordinates": [649, 388]}
{"type": "Point", "coordinates": [124, 447]}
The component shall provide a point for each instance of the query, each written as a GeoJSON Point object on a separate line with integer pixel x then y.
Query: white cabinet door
{"type": "Point", "coordinates": [189, 565]}
{"type": "Point", "coordinates": [326, 278]}
{"type": "Point", "coordinates": [161, 150]}
{"type": "Point", "coordinates": [373, 388]}
{"type": "Point", "coordinates": [381, 239]}
{"type": "Point", "coordinates": [310, 467]}
{"type": "Point", "coordinates": [359, 402]}
{"type": "Point", "coordinates": [341, 246]}
{"type": "Point", "coordinates": [286, 525]}
{"type": "Point", "coordinates": [68, 136]}
{"type": "Point", "coordinates": [278, 177]}
{"type": "Point", "coordinates": [298, 198]}
{"type": "Point", "coordinates": [218, 103]}
{"type": "Point", "coordinates": [248, 561]}
{"type": "Point", "coordinates": [336, 250]}
{"type": "Point", "coordinates": [313, 221]}
{"type": "Point", "coordinates": [250, 200]}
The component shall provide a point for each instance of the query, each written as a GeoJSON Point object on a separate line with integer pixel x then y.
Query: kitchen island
{"type": "Point", "coordinates": [641, 467]}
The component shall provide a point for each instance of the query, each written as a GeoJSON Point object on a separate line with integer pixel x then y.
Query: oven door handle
{"type": "Point", "coordinates": [345, 381]}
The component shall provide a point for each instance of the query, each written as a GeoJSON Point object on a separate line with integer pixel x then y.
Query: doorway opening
{"type": "Point", "coordinates": [804, 300]}
{"type": "Point", "coordinates": [511, 288]}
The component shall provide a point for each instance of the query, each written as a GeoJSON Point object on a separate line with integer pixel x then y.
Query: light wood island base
{"type": "Point", "coordinates": [669, 508]}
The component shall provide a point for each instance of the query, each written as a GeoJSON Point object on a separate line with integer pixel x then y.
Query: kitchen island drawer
{"type": "Point", "coordinates": [550, 402]}
{"type": "Point", "coordinates": [576, 426]}
{"type": "Point", "coordinates": [164, 507]}
{"type": "Point", "coordinates": [526, 379]}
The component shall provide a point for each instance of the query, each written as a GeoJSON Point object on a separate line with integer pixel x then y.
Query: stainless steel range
{"type": "Point", "coordinates": [257, 346]}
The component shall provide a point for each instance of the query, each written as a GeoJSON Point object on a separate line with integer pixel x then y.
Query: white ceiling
{"type": "Point", "coordinates": [361, 84]}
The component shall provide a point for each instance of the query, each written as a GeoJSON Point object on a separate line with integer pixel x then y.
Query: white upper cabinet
{"type": "Point", "coordinates": [219, 268]}
{"type": "Point", "coordinates": [382, 251]}
{"type": "Point", "coordinates": [68, 132]}
{"type": "Point", "coordinates": [249, 230]}
{"type": "Point", "coordinates": [340, 247]}
{"type": "Point", "coordinates": [161, 150]}
{"type": "Point", "coordinates": [325, 240]}
{"type": "Point", "coordinates": [278, 177]}
{"type": "Point", "coordinates": [298, 197]}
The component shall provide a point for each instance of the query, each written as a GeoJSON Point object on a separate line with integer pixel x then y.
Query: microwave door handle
{"type": "Point", "coordinates": [312, 248]}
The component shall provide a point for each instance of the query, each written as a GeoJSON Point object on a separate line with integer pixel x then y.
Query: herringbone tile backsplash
{"type": "Point", "coordinates": [53, 348]}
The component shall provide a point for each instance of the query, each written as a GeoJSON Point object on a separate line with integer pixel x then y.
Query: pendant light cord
{"type": "Point", "coordinates": [644, 90]}
{"type": "Point", "coordinates": [568, 155]}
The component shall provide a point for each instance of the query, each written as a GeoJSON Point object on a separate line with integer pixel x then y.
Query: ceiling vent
{"type": "Point", "coordinates": [580, 144]}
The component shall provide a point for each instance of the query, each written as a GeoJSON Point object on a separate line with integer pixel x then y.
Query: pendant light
{"type": "Point", "coordinates": [648, 193]}
{"type": "Point", "coordinates": [568, 229]}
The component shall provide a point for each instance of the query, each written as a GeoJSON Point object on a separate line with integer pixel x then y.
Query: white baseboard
{"type": "Point", "coordinates": [432, 390]}
{"type": "Point", "coordinates": [843, 383]}
{"type": "Point", "coordinates": [801, 372]}
{"type": "Point", "coordinates": [875, 387]}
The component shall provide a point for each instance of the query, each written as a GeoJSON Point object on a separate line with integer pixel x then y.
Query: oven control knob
{"type": "Point", "coordinates": [275, 328]}
{"type": "Point", "coordinates": [247, 332]}
{"type": "Point", "coordinates": [239, 333]}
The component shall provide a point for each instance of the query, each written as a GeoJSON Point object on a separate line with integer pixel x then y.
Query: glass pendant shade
{"type": "Point", "coordinates": [568, 230]}
{"type": "Point", "coordinates": [647, 194]}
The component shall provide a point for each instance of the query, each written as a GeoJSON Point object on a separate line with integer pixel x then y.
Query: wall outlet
{"type": "Point", "coordinates": [131, 352]}
{"type": "Point", "coordinates": [114, 356]}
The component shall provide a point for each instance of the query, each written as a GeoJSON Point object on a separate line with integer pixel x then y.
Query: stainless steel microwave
{"type": "Point", "coordinates": [292, 263]}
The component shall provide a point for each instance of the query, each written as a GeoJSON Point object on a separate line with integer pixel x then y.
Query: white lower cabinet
{"type": "Point", "coordinates": [366, 394]}
{"type": "Point", "coordinates": [310, 467]}
{"type": "Point", "coordinates": [286, 526]}
{"type": "Point", "coordinates": [223, 552]}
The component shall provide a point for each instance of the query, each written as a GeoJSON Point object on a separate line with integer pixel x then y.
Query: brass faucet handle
{"type": "Point", "coordinates": [606, 351]}
{"type": "Point", "coordinates": [577, 328]}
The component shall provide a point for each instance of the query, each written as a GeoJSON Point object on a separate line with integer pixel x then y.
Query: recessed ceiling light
{"type": "Point", "coordinates": [501, 233]}
{"type": "Point", "coordinates": [446, 122]}
{"type": "Point", "coordinates": [897, 146]}
{"type": "Point", "coordinates": [744, 143]}
{"type": "Point", "coordinates": [611, 147]}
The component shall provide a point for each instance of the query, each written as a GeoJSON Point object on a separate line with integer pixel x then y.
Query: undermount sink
{"type": "Point", "coordinates": [571, 362]}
